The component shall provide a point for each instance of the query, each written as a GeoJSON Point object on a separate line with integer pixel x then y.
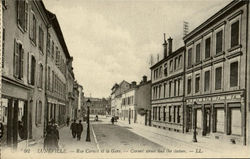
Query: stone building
{"type": "Point", "coordinates": [24, 53]}
{"type": "Point", "coordinates": [216, 76]}
{"type": "Point", "coordinates": [135, 105]}
{"type": "Point", "coordinates": [98, 106]}
{"type": "Point", "coordinates": [167, 78]}
{"type": "Point", "coordinates": [56, 72]}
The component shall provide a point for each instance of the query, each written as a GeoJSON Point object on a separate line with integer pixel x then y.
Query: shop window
{"type": "Point", "coordinates": [235, 34]}
{"type": "Point", "coordinates": [219, 41]}
{"type": "Point", "coordinates": [198, 52]}
{"type": "Point", "coordinates": [207, 47]}
{"type": "Point", "coordinates": [235, 126]}
{"type": "Point", "coordinates": [178, 114]}
{"type": "Point", "coordinates": [218, 78]}
{"type": "Point", "coordinates": [159, 113]}
{"type": "Point", "coordinates": [199, 118]}
{"type": "Point", "coordinates": [234, 74]}
{"type": "Point", "coordinates": [219, 119]}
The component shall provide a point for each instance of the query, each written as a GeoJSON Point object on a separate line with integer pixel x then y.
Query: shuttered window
{"type": "Point", "coordinates": [219, 42]}
{"type": "Point", "coordinates": [234, 74]}
{"type": "Point", "coordinates": [218, 78]}
{"type": "Point", "coordinates": [3, 48]}
{"type": "Point", "coordinates": [189, 86]}
{"type": "Point", "coordinates": [33, 23]}
{"type": "Point", "coordinates": [22, 14]}
{"type": "Point", "coordinates": [41, 39]}
{"type": "Point", "coordinates": [207, 47]}
{"type": "Point", "coordinates": [18, 60]}
{"type": "Point", "coordinates": [198, 52]}
{"type": "Point", "coordinates": [207, 81]}
{"type": "Point", "coordinates": [190, 57]}
{"type": "Point", "coordinates": [235, 34]}
{"type": "Point", "coordinates": [197, 84]}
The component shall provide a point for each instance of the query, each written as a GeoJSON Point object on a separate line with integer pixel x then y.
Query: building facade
{"type": "Point", "coordinates": [56, 71]}
{"type": "Point", "coordinates": [24, 53]}
{"type": "Point", "coordinates": [135, 105]}
{"type": "Point", "coordinates": [167, 91]}
{"type": "Point", "coordinates": [98, 106]}
{"type": "Point", "coordinates": [216, 75]}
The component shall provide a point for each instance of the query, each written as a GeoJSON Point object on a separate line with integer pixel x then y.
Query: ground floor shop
{"type": "Point", "coordinates": [168, 115]}
{"type": "Point", "coordinates": [57, 111]}
{"type": "Point", "coordinates": [220, 117]}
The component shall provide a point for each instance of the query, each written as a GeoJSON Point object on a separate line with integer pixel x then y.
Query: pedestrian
{"type": "Point", "coordinates": [68, 119]}
{"type": "Point", "coordinates": [73, 128]}
{"type": "Point", "coordinates": [79, 130]}
{"type": "Point", "coordinates": [112, 120]}
{"type": "Point", "coordinates": [56, 136]}
{"type": "Point", "coordinates": [49, 140]}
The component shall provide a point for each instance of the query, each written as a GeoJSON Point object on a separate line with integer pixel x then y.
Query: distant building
{"type": "Point", "coordinates": [98, 106]}
{"type": "Point", "coordinates": [135, 105]}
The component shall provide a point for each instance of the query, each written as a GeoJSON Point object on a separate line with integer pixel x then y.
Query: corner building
{"type": "Point", "coordinates": [215, 75]}
{"type": "Point", "coordinates": [167, 78]}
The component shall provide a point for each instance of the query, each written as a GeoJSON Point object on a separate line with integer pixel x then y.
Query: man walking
{"type": "Point", "coordinates": [73, 128]}
{"type": "Point", "coordinates": [79, 130]}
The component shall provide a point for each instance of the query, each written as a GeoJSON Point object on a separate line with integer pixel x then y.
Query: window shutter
{"type": "Point", "coordinates": [17, 10]}
{"type": "Point", "coordinates": [28, 67]}
{"type": "Point", "coordinates": [21, 63]}
{"type": "Point", "coordinates": [31, 25]}
{"type": "Point", "coordinates": [15, 59]}
{"type": "Point", "coordinates": [3, 46]}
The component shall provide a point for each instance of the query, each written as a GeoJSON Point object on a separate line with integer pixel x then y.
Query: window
{"type": "Point", "coordinates": [174, 114]}
{"type": "Point", "coordinates": [198, 52]}
{"type": "Point", "coordinates": [31, 69]}
{"type": "Point", "coordinates": [164, 91]}
{"type": "Point", "coordinates": [53, 81]}
{"type": "Point", "coordinates": [164, 113]}
{"type": "Point", "coordinates": [18, 60]}
{"type": "Point", "coordinates": [198, 118]}
{"type": "Point", "coordinates": [40, 83]}
{"type": "Point", "coordinates": [170, 85]}
{"type": "Point", "coordinates": [175, 87]}
{"type": "Point", "coordinates": [171, 65]}
{"type": "Point", "coordinates": [178, 115]}
{"type": "Point", "coordinates": [235, 34]}
{"type": "Point", "coordinates": [41, 39]}
{"type": "Point", "coordinates": [190, 57]}
{"type": "Point", "coordinates": [180, 61]}
{"type": "Point", "coordinates": [48, 44]}
{"type": "Point", "coordinates": [218, 78]}
{"type": "Point", "coordinates": [219, 120]}
{"type": "Point", "coordinates": [3, 46]}
{"type": "Point", "coordinates": [176, 63]}
{"type": "Point", "coordinates": [38, 118]}
{"type": "Point", "coordinates": [207, 48]}
{"type": "Point", "coordinates": [166, 69]}
{"type": "Point", "coordinates": [48, 79]}
{"type": "Point", "coordinates": [159, 91]}
{"type": "Point", "coordinates": [52, 50]}
{"type": "Point", "coordinates": [234, 74]}
{"type": "Point", "coordinates": [159, 113]}
{"type": "Point", "coordinates": [189, 86]}
{"type": "Point", "coordinates": [207, 81]}
{"type": "Point", "coordinates": [197, 84]}
{"type": "Point", "coordinates": [160, 71]}
{"type": "Point", "coordinates": [219, 42]}
{"type": "Point", "coordinates": [4, 3]}
{"type": "Point", "coordinates": [169, 114]}
{"type": "Point", "coordinates": [22, 14]}
{"type": "Point", "coordinates": [33, 22]}
{"type": "Point", "coordinates": [179, 85]}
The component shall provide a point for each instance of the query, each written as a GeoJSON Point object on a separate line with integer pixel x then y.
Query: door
{"type": "Point", "coordinates": [207, 121]}
{"type": "Point", "coordinates": [189, 119]}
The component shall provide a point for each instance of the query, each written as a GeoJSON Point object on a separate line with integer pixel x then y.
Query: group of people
{"type": "Point", "coordinates": [52, 136]}
{"type": "Point", "coordinates": [76, 129]}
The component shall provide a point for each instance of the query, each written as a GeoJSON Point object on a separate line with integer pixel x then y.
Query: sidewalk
{"type": "Point", "coordinates": [210, 147]}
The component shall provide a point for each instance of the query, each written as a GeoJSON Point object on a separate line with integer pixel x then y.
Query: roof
{"type": "Point", "coordinates": [212, 19]}
{"type": "Point", "coordinates": [168, 57]}
{"type": "Point", "coordinates": [54, 22]}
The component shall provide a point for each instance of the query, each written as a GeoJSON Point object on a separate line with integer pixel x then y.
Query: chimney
{"type": "Point", "coordinates": [165, 47]}
{"type": "Point", "coordinates": [170, 43]}
{"type": "Point", "coordinates": [144, 79]}
{"type": "Point", "coordinates": [133, 84]}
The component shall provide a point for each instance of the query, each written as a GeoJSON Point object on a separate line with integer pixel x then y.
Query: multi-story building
{"type": "Point", "coordinates": [56, 72]}
{"type": "Point", "coordinates": [98, 105]}
{"type": "Point", "coordinates": [136, 106]}
{"type": "Point", "coordinates": [167, 78]}
{"type": "Point", "coordinates": [217, 75]}
{"type": "Point", "coordinates": [116, 95]}
{"type": "Point", "coordinates": [24, 53]}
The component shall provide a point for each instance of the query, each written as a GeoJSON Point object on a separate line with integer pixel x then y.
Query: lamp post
{"type": "Point", "coordinates": [88, 131]}
{"type": "Point", "coordinates": [194, 122]}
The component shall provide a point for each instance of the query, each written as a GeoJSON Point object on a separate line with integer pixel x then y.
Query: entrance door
{"type": "Point", "coordinates": [189, 119]}
{"type": "Point", "coordinates": [207, 121]}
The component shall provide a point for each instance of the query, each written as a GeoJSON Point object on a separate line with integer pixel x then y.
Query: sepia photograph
{"type": "Point", "coordinates": [124, 79]}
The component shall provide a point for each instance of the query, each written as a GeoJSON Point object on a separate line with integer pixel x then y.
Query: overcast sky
{"type": "Point", "coordinates": [111, 40]}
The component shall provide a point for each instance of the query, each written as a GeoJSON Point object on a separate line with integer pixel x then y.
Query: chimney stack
{"type": "Point", "coordinates": [165, 46]}
{"type": "Point", "coordinates": [144, 79]}
{"type": "Point", "coordinates": [133, 84]}
{"type": "Point", "coordinates": [170, 43]}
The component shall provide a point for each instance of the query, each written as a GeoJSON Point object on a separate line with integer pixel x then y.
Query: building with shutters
{"type": "Point", "coordinates": [24, 53]}
{"type": "Point", "coordinates": [216, 76]}
{"type": "Point", "coordinates": [56, 73]}
{"type": "Point", "coordinates": [167, 91]}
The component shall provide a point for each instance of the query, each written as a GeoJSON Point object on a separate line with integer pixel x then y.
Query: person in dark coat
{"type": "Point", "coordinates": [48, 140]}
{"type": "Point", "coordinates": [79, 130]}
{"type": "Point", "coordinates": [68, 121]}
{"type": "Point", "coordinates": [55, 136]}
{"type": "Point", "coordinates": [73, 128]}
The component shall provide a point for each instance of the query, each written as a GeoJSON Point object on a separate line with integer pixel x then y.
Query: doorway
{"type": "Point", "coordinates": [207, 121]}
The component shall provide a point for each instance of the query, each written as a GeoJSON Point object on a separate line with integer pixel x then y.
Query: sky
{"type": "Point", "coordinates": [112, 40]}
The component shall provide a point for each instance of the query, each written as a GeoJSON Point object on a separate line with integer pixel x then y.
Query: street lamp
{"type": "Point", "coordinates": [88, 102]}
{"type": "Point", "coordinates": [194, 121]}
